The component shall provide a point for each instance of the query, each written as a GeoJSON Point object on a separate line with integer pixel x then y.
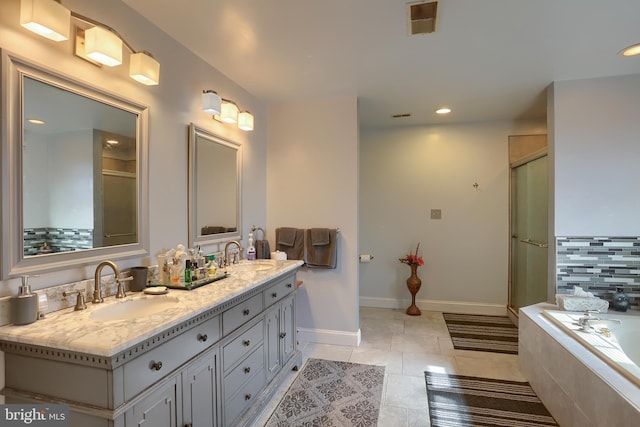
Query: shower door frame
{"type": "Point", "coordinates": [538, 154]}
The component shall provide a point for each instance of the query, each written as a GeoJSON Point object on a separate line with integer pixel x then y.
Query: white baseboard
{"type": "Point", "coordinates": [326, 336]}
{"type": "Point", "coordinates": [465, 307]}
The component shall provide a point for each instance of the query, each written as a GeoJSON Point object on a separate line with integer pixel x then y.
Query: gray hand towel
{"type": "Point", "coordinates": [319, 236]}
{"type": "Point", "coordinates": [321, 255]}
{"type": "Point", "coordinates": [291, 241]}
{"type": "Point", "coordinates": [263, 249]}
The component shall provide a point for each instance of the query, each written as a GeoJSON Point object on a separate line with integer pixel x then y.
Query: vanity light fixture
{"type": "Point", "coordinates": [98, 44]}
{"type": "Point", "coordinates": [211, 102]}
{"type": "Point", "coordinates": [632, 50]}
{"type": "Point", "coordinates": [443, 110]}
{"type": "Point", "coordinates": [226, 110]}
{"type": "Point", "coordinates": [245, 121]}
{"type": "Point", "coordinates": [46, 18]}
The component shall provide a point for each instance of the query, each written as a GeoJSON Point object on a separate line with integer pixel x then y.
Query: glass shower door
{"type": "Point", "coordinates": [529, 246]}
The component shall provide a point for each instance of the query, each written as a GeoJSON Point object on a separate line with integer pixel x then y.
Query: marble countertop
{"type": "Point", "coordinates": [77, 331]}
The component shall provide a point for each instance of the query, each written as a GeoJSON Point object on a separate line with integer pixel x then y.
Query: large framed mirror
{"type": "Point", "coordinates": [215, 188]}
{"type": "Point", "coordinates": [75, 157]}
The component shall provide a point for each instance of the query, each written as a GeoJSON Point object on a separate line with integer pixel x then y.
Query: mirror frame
{"type": "Point", "coordinates": [195, 238]}
{"type": "Point", "coordinates": [14, 264]}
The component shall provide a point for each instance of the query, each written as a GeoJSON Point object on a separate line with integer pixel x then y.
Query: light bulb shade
{"type": "Point", "coordinates": [144, 69]}
{"type": "Point", "coordinates": [211, 102]}
{"type": "Point", "coordinates": [229, 113]}
{"type": "Point", "coordinates": [245, 120]}
{"type": "Point", "coordinates": [103, 46]}
{"type": "Point", "coordinates": [47, 18]}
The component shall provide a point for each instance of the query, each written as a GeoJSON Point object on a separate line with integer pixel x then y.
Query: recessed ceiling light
{"type": "Point", "coordinates": [36, 121]}
{"type": "Point", "coordinates": [443, 110]}
{"type": "Point", "coordinates": [631, 50]}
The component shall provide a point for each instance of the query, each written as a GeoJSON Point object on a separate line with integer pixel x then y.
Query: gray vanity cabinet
{"type": "Point", "coordinates": [218, 368]}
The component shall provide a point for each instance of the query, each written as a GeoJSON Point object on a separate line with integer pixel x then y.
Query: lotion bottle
{"type": "Point", "coordinates": [24, 307]}
{"type": "Point", "coordinates": [251, 250]}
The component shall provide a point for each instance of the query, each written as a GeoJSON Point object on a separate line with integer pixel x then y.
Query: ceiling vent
{"type": "Point", "coordinates": [422, 17]}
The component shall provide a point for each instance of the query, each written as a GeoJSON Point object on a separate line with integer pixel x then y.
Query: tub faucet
{"type": "Point", "coordinates": [226, 250]}
{"type": "Point", "coordinates": [583, 321]}
{"type": "Point", "coordinates": [97, 293]}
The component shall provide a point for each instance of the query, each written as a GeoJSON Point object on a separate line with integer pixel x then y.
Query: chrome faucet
{"type": "Point", "coordinates": [226, 250]}
{"type": "Point", "coordinates": [97, 294]}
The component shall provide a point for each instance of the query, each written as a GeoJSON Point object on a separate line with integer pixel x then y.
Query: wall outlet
{"type": "Point", "coordinates": [436, 213]}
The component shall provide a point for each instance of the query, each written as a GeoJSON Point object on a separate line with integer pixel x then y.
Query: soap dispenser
{"type": "Point", "coordinates": [24, 307]}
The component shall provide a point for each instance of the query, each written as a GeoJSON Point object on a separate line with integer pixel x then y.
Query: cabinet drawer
{"type": "Point", "coordinates": [241, 313]}
{"type": "Point", "coordinates": [237, 349]}
{"type": "Point", "coordinates": [236, 405]}
{"type": "Point", "coordinates": [152, 366]}
{"type": "Point", "coordinates": [278, 291]}
{"type": "Point", "coordinates": [241, 373]}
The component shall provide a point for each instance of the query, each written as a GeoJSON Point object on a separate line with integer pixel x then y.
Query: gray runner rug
{"type": "Point", "coordinates": [329, 393]}
{"type": "Point", "coordinates": [482, 333]}
{"type": "Point", "coordinates": [462, 401]}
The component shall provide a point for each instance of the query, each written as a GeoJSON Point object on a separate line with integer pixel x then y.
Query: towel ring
{"type": "Point", "coordinates": [254, 228]}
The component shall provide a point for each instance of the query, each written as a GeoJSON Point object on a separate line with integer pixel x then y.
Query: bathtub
{"type": "Point", "coordinates": [581, 386]}
{"type": "Point", "coordinates": [620, 350]}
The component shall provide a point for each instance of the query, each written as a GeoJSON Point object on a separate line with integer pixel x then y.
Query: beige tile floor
{"type": "Point", "coordinates": [407, 346]}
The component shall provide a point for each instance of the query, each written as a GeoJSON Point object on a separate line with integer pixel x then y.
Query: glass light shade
{"type": "Point", "coordinates": [229, 113]}
{"type": "Point", "coordinates": [103, 46]}
{"type": "Point", "coordinates": [211, 102]}
{"type": "Point", "coordinates": [245, 120]}
{"type": "Point", "coordinates": [144, 69]}
{"type": "Point", "coordinates": [631, 50]}
{"type": "Point", "coordinates": [47, 18]}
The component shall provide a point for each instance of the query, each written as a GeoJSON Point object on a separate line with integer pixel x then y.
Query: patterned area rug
{"type": "Point", "coordinates": [482, 333]}
{"type": "Point", "coordinates": [468, 401]}
{"type": "Point", "coordinates": [329, 393]}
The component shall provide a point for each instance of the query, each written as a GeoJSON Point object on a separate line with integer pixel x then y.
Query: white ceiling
{"type": "Point", "coordinates": [488, 59]}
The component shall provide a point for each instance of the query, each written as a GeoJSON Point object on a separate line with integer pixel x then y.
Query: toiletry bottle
{"type": "Point", "coordinates": [212, 267]}
{"type": "Point", "coordinates": [187, 271]}
{"type": "Point", "coordinates": [176, 272]}
{"type": "Point", "coordinates": [202, 268]}
{"type": "Point", "coordinates": [24, 307]}
{"type": "Point", "coordinates": [251, 250]}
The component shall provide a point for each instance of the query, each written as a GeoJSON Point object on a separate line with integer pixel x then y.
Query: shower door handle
{"type": "Point", "coordinates": [534, 243]}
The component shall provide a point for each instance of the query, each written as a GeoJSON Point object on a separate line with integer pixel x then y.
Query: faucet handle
{"type": "Point", "coordinates": [120, 293]}
{"type": "Point", "coordinates": [80, 304]}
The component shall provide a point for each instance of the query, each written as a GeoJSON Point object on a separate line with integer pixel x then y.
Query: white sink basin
{"type": "Point", "coordinates": [252, 266]}
{"type": "Point", "coordinates": [133, 308]}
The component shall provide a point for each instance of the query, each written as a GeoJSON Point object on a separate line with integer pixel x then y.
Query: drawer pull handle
{"type": "Point", "coordinates": [274, 295]}
{"type": "Point", "coordinates": [203, 337]}
{"type": "Point", "coordinates": [247, 396]}
{"type": "Point", "coordinates": [247, 369]}
{"type": "Point", "coordinates": [283, 334]}
{"type": "Point", "coordinates": [289, 285]}
{"type": "Point", "coordinates": [156, 366]}
{"type": "Point", "coordinates": [246, 343]}
{"type": "Point", "coordinates": [246, 312]}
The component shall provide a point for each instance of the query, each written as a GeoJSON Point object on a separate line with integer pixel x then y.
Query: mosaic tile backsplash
{"type": "Point", "coordinates": [56, 239]}
{"type": "Point", "coordinates": [599, 265]}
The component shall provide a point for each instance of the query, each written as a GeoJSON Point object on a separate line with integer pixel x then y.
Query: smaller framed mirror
{"type": "Point", "coordinates": [215, 190]}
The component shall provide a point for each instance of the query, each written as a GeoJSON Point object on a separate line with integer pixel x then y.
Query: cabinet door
{"type": "Point", "coordinates": [287, 328]}
{"type": "Point", "coordinates": [199, 392]}
{"type": "Point", "coordinates": [272, 341]}
{"type": "Point", "coordinates": [159, 409]}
